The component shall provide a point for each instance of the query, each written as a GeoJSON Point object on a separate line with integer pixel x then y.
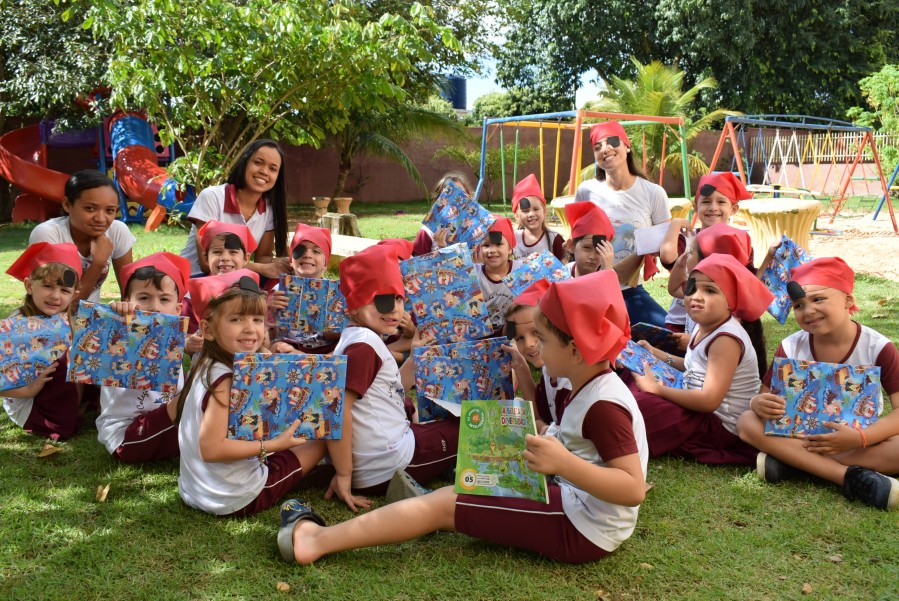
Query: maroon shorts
{"type": "Point", "coordinates": [150, 437]}
{"type": "Point", "coordinates": [526, 524]}
{"type": "Point", "coordinates": [55, 411]}
{"type": "Point", "coordinates": [672, 429]}
{"type": "Point", "coordinates": [284, 475]}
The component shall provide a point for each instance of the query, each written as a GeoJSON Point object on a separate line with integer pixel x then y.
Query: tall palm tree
{"type": "Point", "coordinates": [657, 90]}
{"type": "Point", "coordinates": [380, 133]}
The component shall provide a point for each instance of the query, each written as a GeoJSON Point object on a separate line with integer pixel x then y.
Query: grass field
{"type": "Point", "coordinates": [704, 532]}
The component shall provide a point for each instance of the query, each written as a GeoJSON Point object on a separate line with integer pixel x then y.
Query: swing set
{"type": "Point", "coordinates": [807, 158]}
{"type": "Point", "coordinates": [576, 122]}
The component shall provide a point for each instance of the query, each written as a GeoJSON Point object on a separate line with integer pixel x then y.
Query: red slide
{"type": "Point", "coordinates": [22, 163]}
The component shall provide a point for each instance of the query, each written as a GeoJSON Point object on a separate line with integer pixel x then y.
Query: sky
{"type": "Point", "coordinates": [475, 88]}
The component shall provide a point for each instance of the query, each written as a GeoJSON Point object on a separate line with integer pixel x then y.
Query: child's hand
{"type": "Point", "coordinates": [341, 487]}
{"type": "Point", "coordinates": [418, 341]}
{"type": "Point", "coordinates": [440, 237]}
{"type": "Point", "coordinates": [123, 307]}
{"type": "Point", "coordinates": [408, 326]}
{"type": "Point", "coordinates": [34, 387]}
{"type": "Point", "coordinates": [277, 300]}
{"type": "Point", "coordinates": [767, 405]}
{"type": "Point", "coordinates": [842, 439]}
{"type": "Point", "coordinates": [275, 268]}
{"type": "Point", "coordinates": [606, 255]}
{"type": "Point", "coordinates": [545, 454]}
{"type": "Point", "coordinates": [193, 343]}
{"type": "Point", "coordinates": [101, 249]}
{"type": "Point", "coordinates": [286, 440]}
{"type": "Point", "coordinates": [283, 347]}
{"type": "Point", "coordinates": [652, 350]}
{"type": "Point", "coordinates": [647, 382]}
{"type": "Point", "coordinates": [517, 359]}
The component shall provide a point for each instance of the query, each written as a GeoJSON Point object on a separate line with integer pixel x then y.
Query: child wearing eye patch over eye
{"type": "Point", "coordinates": [380, 448]}
{"type": "Point", "coordinates": [139, 425]}
{"type": "Point", "coordinates": [495, 254]}
{"type": "Point", "coordinates": [532, 235]}
{"type": "Point", "coordinates": [48, 406]}
{"type": "Point", "coordinates": [591, 238]}
{"type": "Point", "coordinates": [720, 368]}
{"type": "Point", "coordinates": [854, 459]}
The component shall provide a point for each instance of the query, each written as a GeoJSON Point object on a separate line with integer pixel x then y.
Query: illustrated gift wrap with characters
{"type": "Point", "coordinates": [28, 345]}
{"type": "Point", "coordinates": [313, 306]}
{"type": "Point", "coordinates": [661, 338]}
{"type": "Point", "coordinates": [817, 392]}
{"type": "Point", "coordinates": [269, 391]}
{"type": "Point", "coordinates": [444, 295]}
{"type": "Point", "coordinates": [459, 372]}
{"type": "Point", "coordinates": [464, 219]}
{"type": "Point", "coordinates": [632, 357]}
{"type": "Point", "coordinates": [776, 276]}
{"type": "Point", "coordinates": [544, 266]}
{"type": "Point", "coordinates": [142, 351]}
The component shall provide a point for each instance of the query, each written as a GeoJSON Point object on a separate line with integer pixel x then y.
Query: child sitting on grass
{"type": "Point", "coordinates": [139, 425]}
{"type": "Point", "coordinates": [598, 458]}
{"type": "Point", "coordinates": [49, 405]}
{"type": "Point", "coordinates": [532, 235]}
{"type": "Point", "coordinates": [854, 459]}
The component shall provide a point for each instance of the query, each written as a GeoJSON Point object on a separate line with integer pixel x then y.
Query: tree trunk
{"type": "Point", "coordinates": [342, 176]}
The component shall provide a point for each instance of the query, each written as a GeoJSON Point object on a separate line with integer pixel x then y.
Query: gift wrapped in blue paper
{"type": "Point", "coordinates": [543, 266]}
{"type": "Point", "coordinates": [28, 345]}
{"type": "Point", "coordinates": [633, 356]}
{"type": "Point", "coordinates": [776, 276]}
{"type": "Point", "coordinates": [464, 219]}
{"type": "Point", "coordinates": [313, 306]}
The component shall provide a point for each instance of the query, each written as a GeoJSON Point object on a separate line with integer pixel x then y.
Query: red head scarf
{"type": "Point", "coordinates": [609, 128]}
{"type": "Point", "coordinates": [726, 240]}
{"type": "Point", "coordinates": [746, 296]}
{"type": "Point", "coordinates": [526, 188]}
{"type": "Point", "coordinates": [403, 247]}
{"type": "Point", "coordinates": [374, 271]}
{"type": "Point", "coordinates": [214, 228]}
{"type": "Point", "coordinates": [727, 184]}
{"type": "Point", "coordinates": [832, 272]}
{"type": "Point", "coordinates": [503, 225]}
{"type": "Point", "coordinates": [532, 294]}
{"type": "Point", "coordinates": [586, 219]}
{"type": "Point", "coordinates": [41, 253]}
{"type": "Point", "coordinates": [174, 266]}
{"type": "Point", "coordinates": [203, 290]}
{"type": "Point", "coordinates": [319, 236]}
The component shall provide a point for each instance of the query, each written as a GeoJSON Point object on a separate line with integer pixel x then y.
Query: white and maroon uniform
{"type": "Point", "coordinates": [550, 240]}
{"type": "Point", "coordinates": [497, 295]}
{"type": "Point", "coordinates": [552, 396]}
{"type": "Point", "coordinates": [870, 348]}
{"type": "Point", "coordinates": [601, 423]}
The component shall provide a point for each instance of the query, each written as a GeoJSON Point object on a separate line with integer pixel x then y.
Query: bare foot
{"type": "Point", "coordinates": [304, 541]}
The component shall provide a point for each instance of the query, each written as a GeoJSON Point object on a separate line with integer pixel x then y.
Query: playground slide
{"type": "Point", "coordinates": [23, 165]}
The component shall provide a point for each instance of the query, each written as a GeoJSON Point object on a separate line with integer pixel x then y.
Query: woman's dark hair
{"type": "Point", "coordinates": [631, 168]}
{"type": "Point", "coordinates": [86, 179]}
{"type": "Point", "coordinates": [757, 336]}
{"type": "Point", "coordinates": [277, 196]}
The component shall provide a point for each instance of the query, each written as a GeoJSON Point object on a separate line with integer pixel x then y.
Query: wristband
{"type": "Point", "coordinates": [864, 438]}
{"type": "Point", "coordinates": [668, 359]}
{"type": "Point", "coordinates": [263, 456]}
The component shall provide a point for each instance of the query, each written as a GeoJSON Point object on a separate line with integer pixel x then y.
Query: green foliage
{"type": "Point", "coordinates": [497, 166]}
{"type": "Point", "coordinates": [881, 91]}
{"type": "Point", "coordinates": [514, 102]}
{"type": "Point", "coordinates": [217, 75]}
{"type": "Point", "coordinates": [438, 104]}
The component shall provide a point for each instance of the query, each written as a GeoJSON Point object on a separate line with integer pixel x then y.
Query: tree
{"type": "Point", "coordinates": [497, 165]}
{"type": "Point", "coordinates": [881, 90]}
{"type": "Point", "coordinates": [217, 75]}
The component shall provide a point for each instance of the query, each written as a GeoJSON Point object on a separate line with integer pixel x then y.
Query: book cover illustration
{"type": "Point", "coordinates": [313, 306]}
{"type": "Point", "coordinates": [28, 345]}
{"type": "Point", "coordinates": [464, 219]}
{"type": "Point", "coordinates": [817, 392]}
{"type": "Point", "coordinates": [632, 357]}
{"type": "Point", "coordinates": [491, 443]}
{"type": "Point", "coordinates": [662, 338]}
{"type": "Point", "coordinates": [142, 351]}
{"type": "Point", "coordinates": [460, 371]}
{"type": "Point", "coordinates": [776, 276]}
{"type": "Point", "coordinates": [269, 391]}
{"type": "Point", "coordinates": [443, 293]}
{"type": "Point", "coordinates": [543, 266]}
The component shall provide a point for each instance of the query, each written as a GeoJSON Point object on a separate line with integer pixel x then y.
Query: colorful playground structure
{"type": "Point", "coordinates": [133, 152]}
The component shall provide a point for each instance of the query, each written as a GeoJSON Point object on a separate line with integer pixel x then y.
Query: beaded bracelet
{"type": "Point", "coordinates": [263, 456]}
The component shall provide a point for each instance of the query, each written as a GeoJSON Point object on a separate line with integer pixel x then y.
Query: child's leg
{"type": "Point", "coordinates": [150, 437]}
{"type": "Point", "coordinates": [392, 523]}
{"type": "Point", "coordinates": [436, 444]}
{"type": "Point", "coordinates": [882, 457]}
{"type": "Point", "coordinates": [56, 410]}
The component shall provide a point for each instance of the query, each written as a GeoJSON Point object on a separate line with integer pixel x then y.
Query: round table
{"type": "Point", "coordinates": [770, 218]}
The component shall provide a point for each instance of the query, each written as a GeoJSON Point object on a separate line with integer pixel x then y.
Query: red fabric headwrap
{"type": "Point", "coordinates": [174, 266]}
{"type": "Point", "coordinates": [532, 294]}
{"type": "Point", "coordinates": [725, 240]}
{"type": "Point", "coordinates": [609, 128]}
{"type": "Point", "coordinates": [529, 186]}
{"type": "Point", "coordinates": [746, 295]}
{"type": "Point", "coordinates": [502, 225]}
{"type": "Point", "coordinates": [727, 184]}
{"type": "Point", "coordinates": [587, 219]}
{"type": "Point", "coordinates": [214, 228]}
{"type": "Point", "coordinates": [374, 271]}
{"type": "Point", "coordinates": [203, 290]}
{"type": "Point", "coordinates": [832, 272]}
{"type": "Point", "coordinates": [403, 247]}
{"type": "Point", "coordinates": [319, 236]}
{"type": "Point", "coordinates": [41, 253]}
{"type": "Point", "coordinates": [591, 310]}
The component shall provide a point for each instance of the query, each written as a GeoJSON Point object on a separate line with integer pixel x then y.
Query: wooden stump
{"type": "Point", "coordinates": [344, 224]}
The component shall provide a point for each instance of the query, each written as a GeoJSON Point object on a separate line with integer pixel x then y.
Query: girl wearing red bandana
{"type": "Point", "coordinates": [532, 235]}
{"type": "Point", "coordinates": [854, 459]}
{"type": "Point", "coordinates": [496, 262]}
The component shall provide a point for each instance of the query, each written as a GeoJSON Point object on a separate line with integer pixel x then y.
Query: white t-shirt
{"type": "Point", "coordinates": [218, 488]}
{"type": "Point", "coordinates": [497, 296]}
{"type": "Point", "coordinates": [644, 204]}
{"type": "Point", "coordinates": [210, 204]}
{"type": "Point", "coordinates": [56, 231]}
{"type": "Point", "coordinates": [546, 242]}
{"type": "Point", "coordinates": [119, 407]}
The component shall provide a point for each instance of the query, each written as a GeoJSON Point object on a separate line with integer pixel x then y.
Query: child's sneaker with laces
{"type": "Point", "coordinates": [403, 486]}
{"type": "Point", "coordinates": [871, 487]}
{"type": "Point", "coordinates": [774, 470]}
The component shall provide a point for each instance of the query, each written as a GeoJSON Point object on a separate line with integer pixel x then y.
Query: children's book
{"type": "Point", "coordinates": [817, 392]}
{"type": "Point", "coordinates": [28, 345]}
{"type": "Point", "coordinates": [633, 356]}
{"type": "Point", "coordinates": [269, 391]}
{"type": "Point", "coordinates": [444, 295]}
{"type": "Point", "coordinates": [776, 276]}
{"type": "Point", "coordinates": [661, 338]}
{"type": "Point", "coordinates": [464, 219]}
{"type": "Point", "coordinates": [460, 371]}
{"type": "Point", "coordinates": [543, 266]}
{"type": "Point", "coordinates": [491, 444]}
{"type": "Point", "coordinates": [142, 351]}
{"type": "Point", "coordinates": [313, 306]}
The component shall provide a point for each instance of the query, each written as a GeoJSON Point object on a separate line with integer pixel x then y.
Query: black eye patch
{"type": "Point", "coordinates": [495, 237]}
{"type": "Point", "coordinates": [249, 284]}
{"type": "Point", "coordinates": [299, 251]}
{"type": "Point", "coordinates": [69, 277]}
{"type": "Point", "coordinates": [385, 303]}
{"type": "Point", "coordinates": [597, 238]}
{"type": "Point", "coordinates": [524, 203]}
{"type": "Point", "coordinates": [795, 291]}
{"type": "Point", "coordinates": [510, 330]}
{"type": "Point", "coordinates": [707, 190]}
{"type": "Point", "coordinates": [233, 242]}
{"type": "Point", "coordinates": [613, 141]}
{"type": "Point", "coordinates": [690, 288]}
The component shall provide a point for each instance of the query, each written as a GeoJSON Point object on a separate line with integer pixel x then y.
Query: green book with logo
{"type": "Point", "coordinates": [491, 444]}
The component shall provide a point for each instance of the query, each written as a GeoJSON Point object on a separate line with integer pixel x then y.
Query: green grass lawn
{"type": "Point", "coordinates": [704, 532]}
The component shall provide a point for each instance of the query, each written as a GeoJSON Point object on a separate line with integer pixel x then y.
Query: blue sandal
{"type": "Point", "coordinates": [293, 511]}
